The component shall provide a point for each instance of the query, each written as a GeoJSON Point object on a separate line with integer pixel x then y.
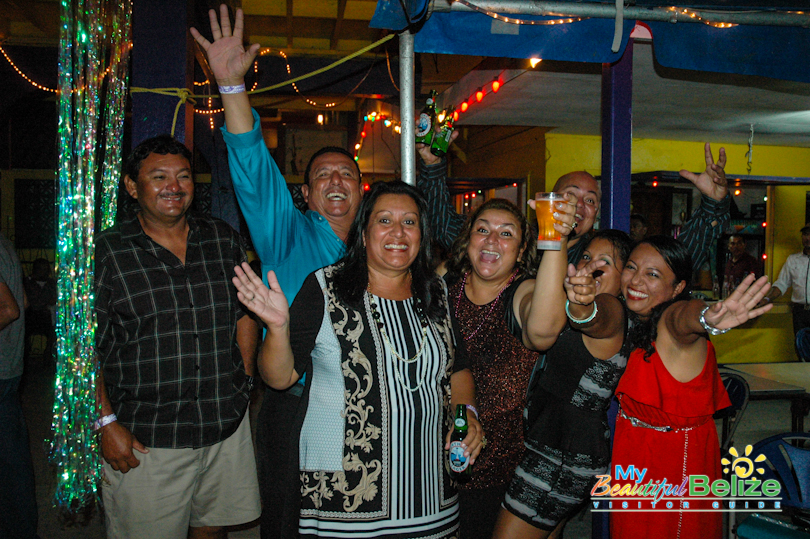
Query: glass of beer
{"type": "Point", "coordinates": [548, 239]}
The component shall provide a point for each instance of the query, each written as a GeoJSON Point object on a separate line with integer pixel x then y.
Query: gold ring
{"type": "Point", "coordinates": [483, 442]}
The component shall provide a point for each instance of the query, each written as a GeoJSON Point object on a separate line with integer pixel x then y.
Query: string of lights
{"type": "Point", "coordinates": [512, 20]}
{"type": "Point", "coordinates": [23, 75]}
{"type": "Point", "coordinates": [295, 86]}
{"type": "Point", "coordinates": [695, 15]}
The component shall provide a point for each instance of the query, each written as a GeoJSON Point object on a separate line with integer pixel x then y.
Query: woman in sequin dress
{"type": "Point", "coordinates": [566, 439]}
{"type": "Point", "coordinates": [497, 305]}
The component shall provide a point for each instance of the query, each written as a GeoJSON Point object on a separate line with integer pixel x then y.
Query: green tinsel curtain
{"type": "Point", "coordinates": [94, 45]}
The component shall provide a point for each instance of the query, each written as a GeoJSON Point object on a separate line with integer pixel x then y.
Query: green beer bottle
{"type": "Point", "coordinates": [427, 118]}
{"type": "Point", "coordinates": [460, 469]}
{"type": "Point", "coordinates": [442, 139]}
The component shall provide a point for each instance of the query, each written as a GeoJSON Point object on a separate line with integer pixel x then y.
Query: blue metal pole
{"type": "Point", "coordinates": [617, 140]}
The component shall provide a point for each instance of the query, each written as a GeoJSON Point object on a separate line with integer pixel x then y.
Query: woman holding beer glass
{"type": "Point", "coordinates": [498, 306]}
{"type": "Point", "coordinates": [566, 420]}
{"type": "Point", "coordinates": [374, 335]}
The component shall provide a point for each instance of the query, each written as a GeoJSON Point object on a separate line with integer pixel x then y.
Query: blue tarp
{"type": "Point", "coordinates": [471, 33]}
{"type": "Point", "coordinates": [775, 52]}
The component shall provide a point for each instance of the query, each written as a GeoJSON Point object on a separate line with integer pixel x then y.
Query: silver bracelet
{"type": "Point", "coordinates": [471, 408]}
{"type": "Point", "coordinates": [238, 89]}
{"type": "Point", "coordinates": [583, 321]}
{"type": "Point", "coordinates": [709, 329]}
{"type": "Point", "coordinates": [103, 421]}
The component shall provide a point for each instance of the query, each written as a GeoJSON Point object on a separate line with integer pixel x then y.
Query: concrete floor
{"type": "Point", "coordinates": [762, 419]}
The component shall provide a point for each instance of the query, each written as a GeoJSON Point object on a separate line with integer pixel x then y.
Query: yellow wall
{"type": "Point", "coordinates": [577, 152]}
{"type": "Point", "coordinates": [770, 338]}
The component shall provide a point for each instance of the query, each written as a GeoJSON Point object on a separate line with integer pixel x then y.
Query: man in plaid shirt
{"type": "Point", "coordinates": [176, 351]}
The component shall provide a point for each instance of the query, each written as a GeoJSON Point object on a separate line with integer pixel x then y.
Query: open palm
{"type": "Point", "coordinates": [741, 305]}
{"type": "Point", "coordinates": [269, 304]}
{"type": "Point", "coordinates": [227, 56]}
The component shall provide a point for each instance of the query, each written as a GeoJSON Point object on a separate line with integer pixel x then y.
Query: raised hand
{"type": "Point", "coordinates": [269, 304]}
{"type": "Point", "coordinates": [741, 305]}
{"type": "Point", "coordinates": [580, 285]}
{"type": "Point", "coordinates": [424, 149]}
{"type": "Point", "coordinates": [711, 182]}
{"type": "Point", "coordinates": [226, 55]}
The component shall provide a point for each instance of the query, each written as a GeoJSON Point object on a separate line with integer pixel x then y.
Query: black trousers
{"type": "Point", "coordinates": [277, 457]}
{"type": "Point", "coordinates": [801, 319]}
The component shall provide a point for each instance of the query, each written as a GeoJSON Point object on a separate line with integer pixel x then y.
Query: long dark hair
{"type": "Point", "coordinates": [351, 275]}
{"type": "Point", "coordinates": [459, 262]}
{"type": "Point", "coordinates": [645, 330]}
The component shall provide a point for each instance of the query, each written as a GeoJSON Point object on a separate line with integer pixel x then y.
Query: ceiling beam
{"type": "Point", "coordinates": [307, 27]}
{"type": "Point", "coordinates": [338, 22]}
{"type": "Point", "coordinates": [43, 15]}
{"type": "Point", "coordinates": [289, 23]}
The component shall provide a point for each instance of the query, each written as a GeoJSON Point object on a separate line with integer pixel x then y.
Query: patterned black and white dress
{"type": "Point", "coordinates": [371, 443]}
{"type": "Point", "coordinates": [567, 438]}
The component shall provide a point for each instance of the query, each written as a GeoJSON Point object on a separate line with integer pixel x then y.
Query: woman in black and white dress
{"type": "Point", "coordinates": [374, 335]}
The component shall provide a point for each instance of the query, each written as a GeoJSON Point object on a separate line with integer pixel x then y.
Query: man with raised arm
{"type": "Point", "coordinates": [704, 227]}
{"type": "Point", "coordinates": [290, 243]}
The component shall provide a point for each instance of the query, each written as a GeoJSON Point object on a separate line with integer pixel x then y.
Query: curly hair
{"type": "Point", "coordinates": [644, 330]}
{"type": "Point", "coordinates": [351, 275]}
{"type": "Point", "coordinates": [459, 262]}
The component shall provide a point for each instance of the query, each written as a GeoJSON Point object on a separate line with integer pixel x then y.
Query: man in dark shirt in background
{"type": "Point", "coordinates": [739, 264]}
{"type": "Point", "coordinates": [176, 350]}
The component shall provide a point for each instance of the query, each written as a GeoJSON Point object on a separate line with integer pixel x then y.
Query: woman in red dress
{"type": "Point", "coordinates": [671, 388]}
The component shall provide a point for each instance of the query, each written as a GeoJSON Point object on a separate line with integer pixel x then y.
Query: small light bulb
{"type": "Point", "coordinates": [534, 61]}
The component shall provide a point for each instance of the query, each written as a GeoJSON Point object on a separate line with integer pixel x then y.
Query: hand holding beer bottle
{"type": "Point", "coordinates": [458, 458]}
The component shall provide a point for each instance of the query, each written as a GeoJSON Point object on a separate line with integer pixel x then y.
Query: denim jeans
{"type": "Point", "coordinates": [18, 503]}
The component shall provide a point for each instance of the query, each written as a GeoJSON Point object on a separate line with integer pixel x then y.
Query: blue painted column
{"type": "Point", "coordinates": [617, 140]}
{"type": "Point", "coordinates": [162, 57]}
{"type": "Point", "coordinates": [617, 143]}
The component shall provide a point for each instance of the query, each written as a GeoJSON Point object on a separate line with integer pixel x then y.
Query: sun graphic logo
{"type": "Point", "coordinates": [743, 466]}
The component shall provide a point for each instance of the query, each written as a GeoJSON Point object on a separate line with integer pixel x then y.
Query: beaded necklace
{"type": "Point", "coordinates": [377, 317]}
{"type": "Point", "coordinates": [492, 308]}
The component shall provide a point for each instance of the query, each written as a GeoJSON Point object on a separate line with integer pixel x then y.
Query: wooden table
{"type": "Point", "coordinates": [779, 381]}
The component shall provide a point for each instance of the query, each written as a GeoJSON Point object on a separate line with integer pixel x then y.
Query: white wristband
{"type": "Point", "coordinates": [471, 408]}
{"type": "Point", "coordinates": [103, 421]}
{"type": "Point", "coordinates": [238, 89]}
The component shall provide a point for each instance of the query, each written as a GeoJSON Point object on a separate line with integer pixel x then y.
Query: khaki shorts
{"type": "Point", "coordinates": [173, 489]}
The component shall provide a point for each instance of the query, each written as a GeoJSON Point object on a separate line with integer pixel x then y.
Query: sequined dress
{"type": "Point", "coordinates": [567, 438]}
{"type": "Point", "coordinates": [501, 367]}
